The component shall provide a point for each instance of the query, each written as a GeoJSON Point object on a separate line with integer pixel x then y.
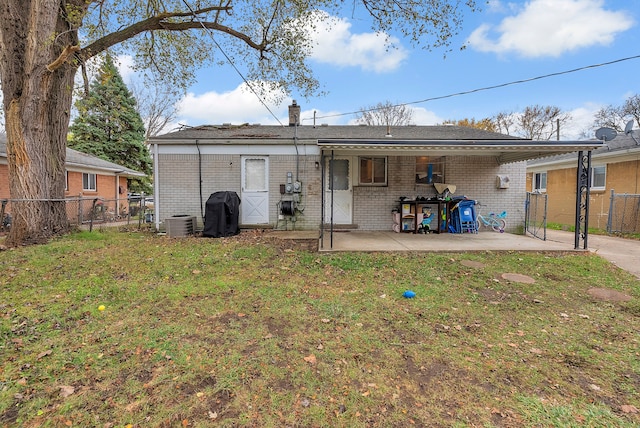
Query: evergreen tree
{"type": "Point", "coordinates": [108, 125]}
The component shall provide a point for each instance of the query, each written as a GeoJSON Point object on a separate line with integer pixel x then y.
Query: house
{"type": "Point", "coordinates": [87, 177]}
{"type": "Point", "coordinates": [614, 167]}
{"type": "Point", "coordinates": [308, 177]}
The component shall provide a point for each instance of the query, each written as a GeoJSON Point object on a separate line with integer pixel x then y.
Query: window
{"type": "Point", "coordinates": [598, 177]}
{"type": "Point", "coordinates": [429, 169]}
{"type": "Point", "coordinates": [373, 171]}
{"type": "Point", "coordinates": [66, 180]}
{"type": "Point", "coordinates": [540, 182]}
{"type": "Point", "coordinates": [88, 181]}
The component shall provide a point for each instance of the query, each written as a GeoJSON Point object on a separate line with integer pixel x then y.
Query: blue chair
{"type": "Point", "coordinates": [467, 217]}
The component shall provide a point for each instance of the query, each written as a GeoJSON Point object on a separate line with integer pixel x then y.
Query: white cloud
{"type": "Point", "coordinates": [552, 27]}
{"type": "Point", "coordinates": [425, 117]}
{"type": "Point", "coordinates": [334, 43]}
{"type": "Point", "coordinates": [321, 117]}
{"type": "Point", "coordinates": [580, 126]}
{"type": "Point", "coordinates": [125, 67]}
{"type": "Point", "coordinates": [237, 106]}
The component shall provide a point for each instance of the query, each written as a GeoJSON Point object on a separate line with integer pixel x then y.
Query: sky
{"type": "Point", "coordinates": [507, 42]}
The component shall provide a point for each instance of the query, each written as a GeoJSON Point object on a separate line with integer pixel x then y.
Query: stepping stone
{"type": "Point", "coordinates": [516, 277]}
{"type": "Point", "coordinates": [608, 294]}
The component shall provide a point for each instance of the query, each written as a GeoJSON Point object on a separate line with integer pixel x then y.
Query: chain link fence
{"type": "Point", "coordinates": [624, 213]}
{"type": "Point", "coordinates": [536, 215]}
{"type": "Point", "coordinates": [83, 212]}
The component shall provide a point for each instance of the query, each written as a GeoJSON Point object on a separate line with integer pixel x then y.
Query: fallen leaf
{"type": "Point", "coordinates": [628, 408]}
{"type": "Point", "coordinates": [366, 394]}
{"type": "Point", "coordinates": [241, 315]}
{"type": "Point", "coordinates": [213, 415]}
{"type": "Point", "coordinates": [66, 391]}
{"type": "Point", "coordinates": [311, 359]}
{"type": "Point", "coordinates": [44, 354]}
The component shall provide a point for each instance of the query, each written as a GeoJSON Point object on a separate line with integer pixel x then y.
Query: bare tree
{"type": "Point", "coordinates": [616, 117]}
{"type": "Point", "coordinates": [386, 114]}
{"type": "Point", "coordinates": [504, 122]}
{"type": "Point", "coordinates": [541, 122]}
{"type": "Point", "coordinates": [157, 106]}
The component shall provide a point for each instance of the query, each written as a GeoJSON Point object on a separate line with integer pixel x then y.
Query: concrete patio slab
{"type": "Point", "coordinates": [444, 242]}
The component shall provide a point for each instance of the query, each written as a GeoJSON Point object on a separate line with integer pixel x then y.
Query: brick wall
{"type": "Point", "coordinates": [4, 181]}
{"type": "Point", "coordinates": [623, 177]}
{"type": "Point", "coordinates": [475, 177]}
{"type": "Point", "coordinates": [179, 191]}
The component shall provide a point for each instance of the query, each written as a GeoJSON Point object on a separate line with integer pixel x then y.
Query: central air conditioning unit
{"type": "Point", "coordinates": [180, 226]}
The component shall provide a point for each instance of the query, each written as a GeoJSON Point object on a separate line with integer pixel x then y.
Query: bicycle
{"type": "Point", "coordinates": [495, 221]}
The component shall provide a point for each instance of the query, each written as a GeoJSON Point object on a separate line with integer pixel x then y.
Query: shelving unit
{"type": "Point", "coordinates": [411, 215]}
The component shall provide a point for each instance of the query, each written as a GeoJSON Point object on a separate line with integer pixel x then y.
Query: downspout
{"type": "Point", "coordinates": [322, 198]}
{"type": "Point", "coordinates": [117, 189]}
{"type": "Point", "coordinates": [156, 188]}
{"type": "Point", "coordinates": [200, 180]}
{"type": "Point", "coordinates": [331, 183]}
{"type": "Point", "coordinates": [295, 143]}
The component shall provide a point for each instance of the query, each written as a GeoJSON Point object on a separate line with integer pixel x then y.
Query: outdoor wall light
{"type": "Point", "coordinates": [317, 164]}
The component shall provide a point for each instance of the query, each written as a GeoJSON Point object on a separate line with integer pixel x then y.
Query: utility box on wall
{"type": "Point", "coordinates": [502, 181]}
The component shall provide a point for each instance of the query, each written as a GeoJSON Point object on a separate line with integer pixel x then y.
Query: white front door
{"type": "Point", "coordinates": [338, 196]}
{"type": "Point", "coordinates": [254, 208]}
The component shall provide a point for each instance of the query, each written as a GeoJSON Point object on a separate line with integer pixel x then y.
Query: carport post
{"type": "Point", "coordinates": [583, 184]}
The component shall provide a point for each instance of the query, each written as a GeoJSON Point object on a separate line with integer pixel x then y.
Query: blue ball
{"type": "Point", "coordinates": [409, 294]}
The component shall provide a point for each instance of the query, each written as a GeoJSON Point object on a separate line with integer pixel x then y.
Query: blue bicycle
{"type": "Point", "coordinates": [495, 221]}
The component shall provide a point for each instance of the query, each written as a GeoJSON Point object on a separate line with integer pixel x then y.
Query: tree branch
{"type": "Point", "coordinates": [162, 22]}
{"type": "Point", "coordinates": [64, 55]}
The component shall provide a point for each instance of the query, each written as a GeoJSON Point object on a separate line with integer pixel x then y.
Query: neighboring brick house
{"type": "Point", "coordinates": [87, 177]}
{"type": "Point", "coordinates": [278, 171]}
{"type": "Point", "coordinates": [616, 166]}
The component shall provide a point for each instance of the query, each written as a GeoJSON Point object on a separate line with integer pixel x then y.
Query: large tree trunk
{"type": "Point", "coordinates": [37, 101]}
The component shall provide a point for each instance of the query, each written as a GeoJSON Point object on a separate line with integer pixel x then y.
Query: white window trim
{"type": "Point", "coordinates": [95, 182]}
{"type": "Point", "coordinates": [533, 184]}
{"type": "Point", "coordinates": [591, 173]}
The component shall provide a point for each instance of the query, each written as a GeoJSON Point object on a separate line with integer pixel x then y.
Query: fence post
{"type": "Point", "coordinates": [80, 213]}
{"type": "Point", "coordinates": [610, 215]}
{"type": "Point", "coordinates": [2, 208]}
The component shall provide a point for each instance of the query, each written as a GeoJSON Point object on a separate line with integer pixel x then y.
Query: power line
{"type": "Point", "coordinates": [193, 13]}
{"type": "Point", "coordinates": [486, 88]}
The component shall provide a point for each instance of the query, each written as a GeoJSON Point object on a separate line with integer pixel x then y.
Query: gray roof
{"type": "Point", "coordinates": [323, 132]}
{"type": "Point", "coordinates": [409, 140]}
{"type": "Point", "coordinates": [83, 160]}
{"type": "Point", "coordinates": [620, 145]}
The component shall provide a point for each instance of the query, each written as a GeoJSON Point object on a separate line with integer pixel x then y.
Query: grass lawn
{"type": "Point", "coordinates": [109, 329]}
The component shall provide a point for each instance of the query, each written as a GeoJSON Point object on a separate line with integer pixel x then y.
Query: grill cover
{"type": "Point", "coordinates": [221, 215]}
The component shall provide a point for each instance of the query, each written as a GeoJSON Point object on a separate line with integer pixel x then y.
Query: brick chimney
{"type": "Point", "coordinates": [294, 114]}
